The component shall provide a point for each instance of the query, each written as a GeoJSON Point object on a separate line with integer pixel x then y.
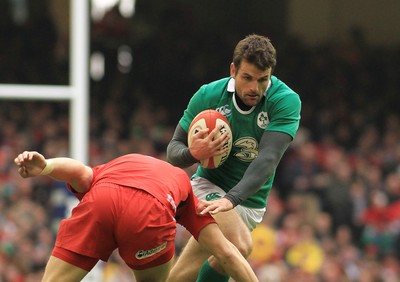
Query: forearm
{"type": "Point", "coordinates": [252, 180]}
{"type": "Point", "coordinates": [72, 171]}
{"type": "Point", "coordinates": [178, 152]}
{"type": "Point", "coordinates": [272, 147]}
{"type": "Point", "coordinates": [179, 155]}
{"type": "Point", "coordinates": [32, 163]}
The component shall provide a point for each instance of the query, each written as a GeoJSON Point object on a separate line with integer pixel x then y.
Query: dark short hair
{"type": "Point", "coordinates": [257, 50]}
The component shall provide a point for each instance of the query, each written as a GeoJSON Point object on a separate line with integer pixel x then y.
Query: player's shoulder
{"type": "Point", "coordinates": [279, 90]}
{"type": "Point", "coordinates": [217, 86]}
{"type": "Point", "coordinates": [210, 95]}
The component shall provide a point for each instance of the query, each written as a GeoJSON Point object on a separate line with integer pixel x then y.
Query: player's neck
{"type": "Point", "coordinates": [240, 103]}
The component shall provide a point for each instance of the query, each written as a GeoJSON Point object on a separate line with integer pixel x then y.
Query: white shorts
{"type": "Point", "coordinates": [206, 190]}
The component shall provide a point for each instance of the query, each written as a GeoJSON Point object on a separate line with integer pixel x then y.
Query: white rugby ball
{"type": "Point", "coordinates": [210, 119]}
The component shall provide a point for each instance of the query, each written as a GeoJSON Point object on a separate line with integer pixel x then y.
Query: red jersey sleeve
{"type": "Point", "coordinates": [78, 195]}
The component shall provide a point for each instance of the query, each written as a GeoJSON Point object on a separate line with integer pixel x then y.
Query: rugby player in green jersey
{"type": "Point", "coordinates": [264, 114]}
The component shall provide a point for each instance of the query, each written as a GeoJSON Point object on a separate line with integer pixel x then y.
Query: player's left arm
{"type": "Point", "coordinates": [273, 145]}
{"type": "Point", "coordinates": [74, 172]}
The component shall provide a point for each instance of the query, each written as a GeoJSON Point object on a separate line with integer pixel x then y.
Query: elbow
{"type": "Point", "coordinates": [169, 156]}
{"type": "Point", "coordinates": [82, 182]}
{"type": "Point", "coordinates": [179, 156]}
{"type": "Point", "coordinates": [171, 161]}
{"type": "Point", "coordinates": [81, 186]}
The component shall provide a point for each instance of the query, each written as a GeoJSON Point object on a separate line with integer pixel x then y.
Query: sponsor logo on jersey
{"type": "Point", "coordinates": [248, 149]}
{"type": "Point", "coordinates": [142, 254]}
{"type": "Point", "coordinates": [213, 196]}
{"type": "Point", "coordinates": [262, 120]}
{"type": "Point", "coordinates": [171, 201]}
{"type": "Point", "coordinates": [225, 110]}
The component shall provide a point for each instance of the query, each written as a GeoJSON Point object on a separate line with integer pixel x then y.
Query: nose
{"type": "Point", "coordinates": [254, 87]}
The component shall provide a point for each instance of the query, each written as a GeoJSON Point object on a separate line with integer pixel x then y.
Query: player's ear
{"type": "Point", "coordinates": [233, 70]}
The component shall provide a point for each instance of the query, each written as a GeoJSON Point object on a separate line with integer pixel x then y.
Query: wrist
{"type": "Point", "coordinates": [189, 156]}
{"type": "Point", "coordinates": [48, 168]}
{"type": "Point", "coordinates": [231, 199]}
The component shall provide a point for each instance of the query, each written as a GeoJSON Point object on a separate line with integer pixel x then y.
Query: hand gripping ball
{"type": "Point", "coordinates": [210, 119]}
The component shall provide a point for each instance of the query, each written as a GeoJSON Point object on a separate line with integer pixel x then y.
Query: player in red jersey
{"type": "Point", "coordinates": [131, 203]}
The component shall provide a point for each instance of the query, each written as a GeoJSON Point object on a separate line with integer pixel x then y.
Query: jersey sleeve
{"type": "Point", "coordinates": [207, 97]}
{"type": "Point", "coordinates": [286, 115]}
{"type": "Point", "coordinates": [78, 195]}
{"type": "Point", "coordinates": [195, 106]}
{"type": "Point", "coordinates": [186, 216]}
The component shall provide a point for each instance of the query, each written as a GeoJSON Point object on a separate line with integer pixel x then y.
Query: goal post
{"type": "Point", "coordinates": [77, 92]}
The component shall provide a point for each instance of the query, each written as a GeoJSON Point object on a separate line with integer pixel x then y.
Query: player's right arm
{"type": "Point", "coordinates": [178, 152]}
{"type": "Point", "coordinates": [203, 146]}
{"type": "Point", "coordinates": [74, 172]}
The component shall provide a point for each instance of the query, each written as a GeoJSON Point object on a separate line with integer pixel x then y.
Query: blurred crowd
{"type": "Point", "coordinates": [333, 214]}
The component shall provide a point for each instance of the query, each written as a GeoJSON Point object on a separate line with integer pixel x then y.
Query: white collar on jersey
{"type": "Point", "coordinates": [231, 86]}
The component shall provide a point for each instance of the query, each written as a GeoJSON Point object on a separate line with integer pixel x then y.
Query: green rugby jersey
{"type": "Point", "coordinates": [279, 110]}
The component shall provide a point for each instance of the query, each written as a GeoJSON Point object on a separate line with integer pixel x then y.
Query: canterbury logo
{"type": "Point", "coordinates": [142, 254]}
{"type": "Point", "coordinates": [213, 196]}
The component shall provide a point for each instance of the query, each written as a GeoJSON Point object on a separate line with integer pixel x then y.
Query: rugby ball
{"type": "Point", "coordinates": [210, 119]}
